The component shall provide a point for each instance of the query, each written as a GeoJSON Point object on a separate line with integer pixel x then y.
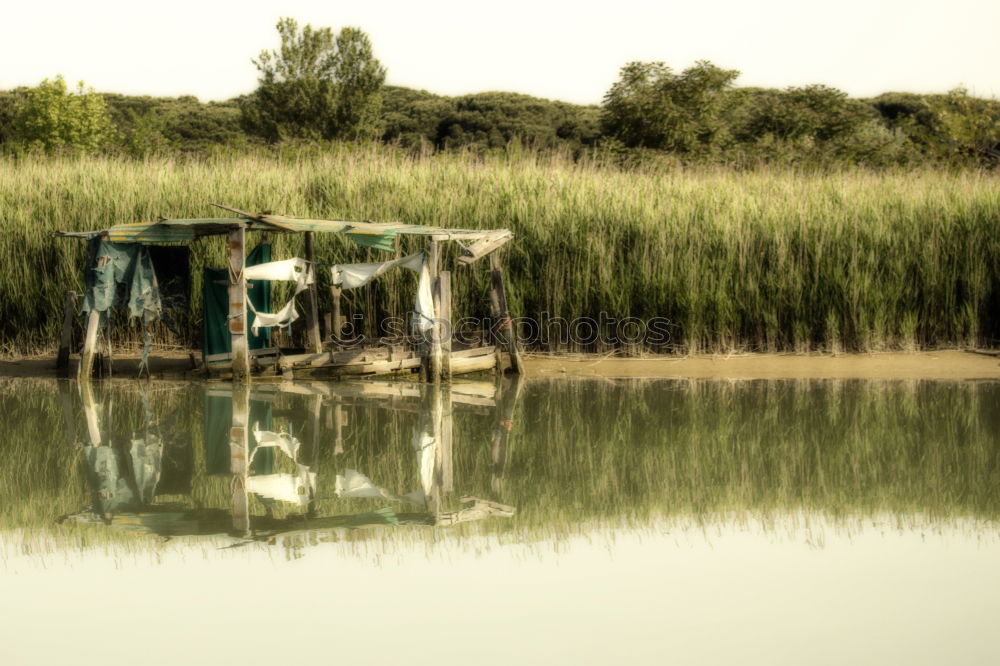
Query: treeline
{"type": "Point", "coordinates": [321, 87]}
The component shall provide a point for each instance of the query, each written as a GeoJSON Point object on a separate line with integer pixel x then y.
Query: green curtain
{"type": "Point", "coordinates": [215, 293]}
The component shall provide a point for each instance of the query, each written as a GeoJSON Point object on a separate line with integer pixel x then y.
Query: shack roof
{"type": "Point", "coordinates": [369, 234]}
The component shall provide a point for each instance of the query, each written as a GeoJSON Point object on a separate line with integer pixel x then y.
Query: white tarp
{"type": "Point", "coordinates": [295, 270]}
{"type": "Point", "coordinates": [352, 276]}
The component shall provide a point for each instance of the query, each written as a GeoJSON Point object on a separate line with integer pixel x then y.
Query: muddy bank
{"type": "Point", "coordinates": [952, 364]}
{"type": "Point", "coordinates": [919, 365]}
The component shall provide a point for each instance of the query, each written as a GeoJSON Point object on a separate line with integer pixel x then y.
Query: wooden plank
{"type": "Point", "coordinates": [85, 371]}
{"type": "Point", "coordinates": [66, 339]}
{"type": "Point", "coordinates": [461, 366]}
{"type": "Point", "coordinates": [498, 299]}
{"type": "Point", "coordinates": [238, 306]}
{"type": "Point", "coordinates": [482, 247]}
{"type": "Point", "coordinates": [312, 308]}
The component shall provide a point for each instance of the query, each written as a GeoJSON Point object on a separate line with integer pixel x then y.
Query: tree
{"type": "Point", "coordinates": [52, 118]}
{"type": "Point", "coordinates": [965, 128]}
{"type": "Point", "coordinates": [316, 86]}
{"type": "Point", "coordinates": [651, 107]}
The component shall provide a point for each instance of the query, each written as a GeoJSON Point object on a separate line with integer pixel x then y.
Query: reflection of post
{"type": "Point", "coordinates": [338, 428]}
{"type": "Point", "coordinates": [90, 411]}
{"type": "Point", "coordinates": [506, 404]}
{"type": "Point", "coordinates": [69, 423]}
{"type": "Point", "coordinates": [238, 304]}
{"type": "Point", "coordinates": [445, 450]}
{"type": "Point", "coordinates": [239, 460]}
{"type": "Point", "coordinates": [317, 415]}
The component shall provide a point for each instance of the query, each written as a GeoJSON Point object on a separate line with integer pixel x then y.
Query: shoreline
{"type": "Point", "coordinates": [941, 365]}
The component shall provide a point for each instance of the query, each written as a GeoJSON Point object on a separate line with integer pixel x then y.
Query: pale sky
{"type": "Point", "coordinates": [560, 50]}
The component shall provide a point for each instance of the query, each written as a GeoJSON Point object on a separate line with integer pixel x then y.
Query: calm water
{"type": "Point", "coordinates": [562, 521]}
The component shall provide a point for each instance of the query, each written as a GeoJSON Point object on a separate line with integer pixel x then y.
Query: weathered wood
{"type": "Point", "coordinates": [312, 309]}
{"type": "Point", "coordinates": [336, 319]}
{"type": "Point", "coordinates": [461, 366]}
{"type": "Point", "coordinates": [239, 458]}
{"type": "Point", "coordinates": [85, 371]}
{"type": "Point", "coordinates": [445, 323]}
{"type": "Point", "coordinates": [66, 339]}
{"type": "Point", "coordinates": [482, 247]}
{"type": "Point", "coordinates": [504, 325]}
{"type": "Point", "coordinates": [238, 305]}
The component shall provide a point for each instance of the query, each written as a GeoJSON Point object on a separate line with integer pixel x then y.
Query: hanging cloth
{"type": "Point", "coordinates": [294, 270]}
{"type": "Point", "coordinates": [352, 276]}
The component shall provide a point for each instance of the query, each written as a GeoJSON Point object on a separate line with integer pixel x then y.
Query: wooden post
{"type": "Point", "coordinates": [66, 340]}
{"type": "Point", "coordinates": [504, 325]}
{"type": "Point", "coordinates": [85, 371]}
{"type": "Point", "coordinates": [336, 320]}
{"type": "Point", "coordinates": [315, 341]}
{"type": "Point", "coordinates": [239, 455]}
{"type": "Point", "coordinates": [445, 323]}
{"type": "Point", "coordinates": [238, 305]}
{"type": "Point", "coordinates": [317, 414]}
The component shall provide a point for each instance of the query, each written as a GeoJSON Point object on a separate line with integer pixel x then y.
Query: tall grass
{"type": "Point", "coordinates": [766, 260]}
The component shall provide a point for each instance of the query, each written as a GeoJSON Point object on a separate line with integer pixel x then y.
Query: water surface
{"type": "Point", "coordinates": [556, 521]}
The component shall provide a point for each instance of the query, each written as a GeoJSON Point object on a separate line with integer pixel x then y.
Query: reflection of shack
{"type": "Point", "coordinates": [144, 267]}
{"type": "Point", "coordinates": [432, 444]}
{"type": "Point", "coordinates": [267, 466]}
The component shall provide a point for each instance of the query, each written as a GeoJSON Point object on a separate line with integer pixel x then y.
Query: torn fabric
{"type": "Point", "coordinates": [352, 276]}
{"type": "Point", "coordinates": [295, 270]}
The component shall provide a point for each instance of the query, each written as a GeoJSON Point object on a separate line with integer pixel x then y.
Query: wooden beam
{"type": "Point", "coordinates": [312, 311]}
{"type": "Point", "coordinates": [504, 325]}
{"type": "Point", "coordinates": [66, 339]}
{"type": "Point", "coordinates": [238, 305]}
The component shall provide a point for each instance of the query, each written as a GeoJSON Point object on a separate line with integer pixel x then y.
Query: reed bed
{"type": "Point", "coordinates": [766, 260]}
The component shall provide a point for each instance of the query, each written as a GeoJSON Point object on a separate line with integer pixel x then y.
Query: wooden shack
{"type": "Point", "coordinates": [430, 349]}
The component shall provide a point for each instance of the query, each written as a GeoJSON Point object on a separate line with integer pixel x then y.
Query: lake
{"type": "Point", "coordinates": [562, 520]}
